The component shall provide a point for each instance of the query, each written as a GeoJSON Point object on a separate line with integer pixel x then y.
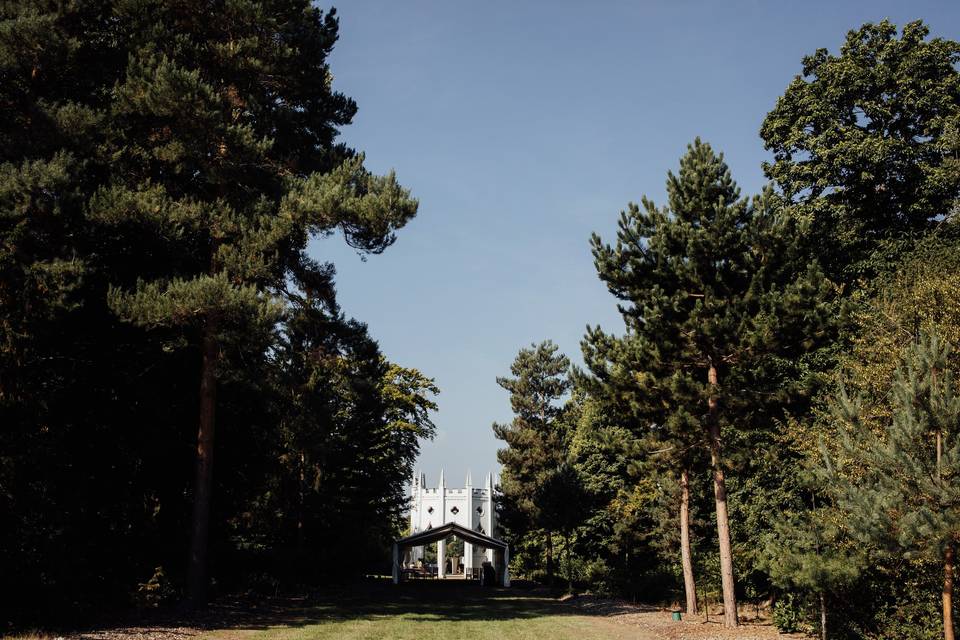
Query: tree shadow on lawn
{"type": "Point", "coordinates": [426, 600]}
{"type": "Point", "coordinates": [446, 601]}
{"type": "Point", "coordinates": [440, 600]}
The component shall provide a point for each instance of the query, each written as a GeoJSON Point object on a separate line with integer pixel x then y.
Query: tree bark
{"type": "Point", "coordinates": [720, 497]}
{"type": "Point", "coordinates": [686, 558]}
{"type": "Point", "coordinates": [939, 455]}
{"type": "Point", "coordinates": [549, 558]}
{"type": "Point", "coordinates": [569, 571]}
{"type": "Point", "coordinates": [823, 616]}
{"type": "Point", "coordinates": [948, 568]}
{"type": "Point", "coordinates": [300, 500]}
{"type": "Point", "coordinates": [197, 572]}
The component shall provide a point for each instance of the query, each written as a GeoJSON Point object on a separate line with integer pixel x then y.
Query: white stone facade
{"type": "Point", "coordinates": [470, 507]}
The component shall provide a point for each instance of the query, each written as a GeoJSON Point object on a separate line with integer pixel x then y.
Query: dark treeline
{"type": "Point", "coordinates": [780, 420]}
{"type": "Point", "coordinates": [182, 403]}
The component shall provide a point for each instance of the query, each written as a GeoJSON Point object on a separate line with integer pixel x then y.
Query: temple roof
{"type": "Point", "coordinates": [451, 529]}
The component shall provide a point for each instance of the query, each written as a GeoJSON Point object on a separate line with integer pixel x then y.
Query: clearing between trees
{"type": "Point", "coordinates": [428, 610]}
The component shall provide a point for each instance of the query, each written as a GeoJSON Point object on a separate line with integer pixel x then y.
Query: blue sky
{"type": "Point", "coordinates": [522, 127]}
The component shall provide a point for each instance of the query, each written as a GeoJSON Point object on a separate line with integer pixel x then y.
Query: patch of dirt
{"type": "Point", "coordinates": [659, 622]}
{"type": "Point", "coordinates": [229, 613]}
{"type": "Point", "coordinates": [139, 633]}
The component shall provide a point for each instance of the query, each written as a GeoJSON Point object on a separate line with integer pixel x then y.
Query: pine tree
{"type": "Point", "coordinates": [196, 141]}
{"type": "Point", "coordinates": [536, 438]}
{"type": "Point", "coordinates": [563, 503]}
{"type": "Point", "coordinates": [810, 552]}
{"type": "Point", "coordinates": [712, 287]}
{"type": "Point", "coordinates": [899, 487]}
{"type": "Point", "coordinates": [350, 427]}
{"type": "Point", "coordinates": [665, 441]}
{"type": "Point", "coordinates": [616, 541]}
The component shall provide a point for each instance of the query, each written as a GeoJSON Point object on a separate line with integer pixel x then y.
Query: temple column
{"type": "Point", "coordinates": [488, 514]}
{"type": "Point", "coordinates": [468, 523]}
{"type": "Point", "coordinates": [506, 567]}
{"type": "Point", "coordinates": [396, 564]}
{"type": "Point", "coordinates": [442, 544]}
{"type": "Point", "coordinates": [467, 559]}
{"type": "Point", "coordinates": [441, 557]}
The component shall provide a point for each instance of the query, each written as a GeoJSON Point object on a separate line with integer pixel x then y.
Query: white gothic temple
{"type": "Point", "coordinates": [470, 507]}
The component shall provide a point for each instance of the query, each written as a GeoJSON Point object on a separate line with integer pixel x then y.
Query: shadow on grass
{"type": "Point", "coordinates": [416, 601]}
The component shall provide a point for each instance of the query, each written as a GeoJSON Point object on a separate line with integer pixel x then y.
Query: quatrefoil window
{"type": "Point", "coordinates": [429, 509]}
{"type": "Point", "coordinates": [454, 511]}
{"type": "Point", "coordinates": [480, 510]}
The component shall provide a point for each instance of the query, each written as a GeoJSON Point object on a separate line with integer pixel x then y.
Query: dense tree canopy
{"type": "Point", "coordinates": [865, 144]}
{"type": "Point", "coordinates": [711, 289]}
{"type": "Point", "coordinates": [535, 439]}
{"type": "Point", "coordinates": [742, 317]}
{"type": "Point", "coordinates": [784, 366]}
{"type": "Point", "coordinates": [900, 487]}
{"type": "Point", "coordinates": [163, 167]}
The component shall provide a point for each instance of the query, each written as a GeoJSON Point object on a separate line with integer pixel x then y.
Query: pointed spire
{"type": "Point", "coordinates": [469, 479]}
{"type": "Point", "coordinates": [441, 485]}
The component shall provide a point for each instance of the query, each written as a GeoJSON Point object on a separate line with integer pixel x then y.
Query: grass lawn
{"type": "Point", "coordinates": [433, 610]}
{"type": "Point", "coordinates": [425, 610]}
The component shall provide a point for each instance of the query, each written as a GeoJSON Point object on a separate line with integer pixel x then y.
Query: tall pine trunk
{"type": "Point", "coordinates": [948, 569]}
{"type": "Point", "coordinates": [549, 558]}
{"type": "Point", "coordinates": [823, 616]}
{"type": "Point", "coordinates": [686, 557]}
{"type": "Point", "coordinates": [720, 496]}
{"type": "Point", "coordinates": [301, 498]}
{"type": "Point", "coordinates": [566, 542]}
{"type": "Point", "coordinates": [197, 573]}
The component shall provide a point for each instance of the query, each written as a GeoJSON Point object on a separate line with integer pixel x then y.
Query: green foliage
{"type": "Point", "coordinates": [896, 486]}
{"type": "Point", "coordinates": [904, 602]}
{"type": "Point", "coordinates": [845, 264]}
{"type": "Point", "coordinates": [808, 551]}
{"type": "Point", "coordinates": [155, 592]}
{"type": "Point", "coordinates": [720, 306]}
{"type": "Point", "coordinates": [163, 168]}
{"type": "Point", "coordinates": [864, 147]}
{"type": "Point", "coordinates": [535, 439]}
{"type": "Point", "coordinates": [562, 499]}
{"type": "Point", "coordinates": [713, 279]}
{"type": "Point", "coordinates": [789, 613]}
{"type": "Point", "coordinates": [454, 547]}
{"type": "Point", "coordinates": [865, 143]}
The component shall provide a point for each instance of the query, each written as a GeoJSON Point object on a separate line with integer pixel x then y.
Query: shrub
{"type": "Point", "coordinates": [156, 591]}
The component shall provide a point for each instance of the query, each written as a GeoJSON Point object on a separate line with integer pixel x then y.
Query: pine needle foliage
{"type": "Point", "coordinates": [899, 486]}
{"type": "Point", "coordinates": [536, 440]}
{"type": "Point", "coordinates": [713, 290]}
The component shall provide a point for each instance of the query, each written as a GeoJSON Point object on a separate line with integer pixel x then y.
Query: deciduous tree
{"type": "Point", "coordinates": [865, 146]}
